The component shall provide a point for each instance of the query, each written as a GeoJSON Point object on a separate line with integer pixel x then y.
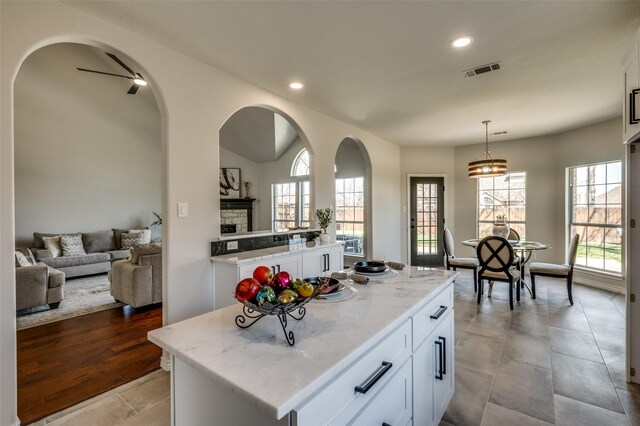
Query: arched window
{"type": "Point", "coordinates": [291, 200]}
{"type": "Point", "coordinates": [301, 164]}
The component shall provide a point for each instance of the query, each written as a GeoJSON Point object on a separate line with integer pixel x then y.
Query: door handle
{"type": "Point", "coordinates": [438, 348]}
{"type": "Point", "coordinates": [444, 354]}
{"type": "Point", "coordinates": [632, 107]}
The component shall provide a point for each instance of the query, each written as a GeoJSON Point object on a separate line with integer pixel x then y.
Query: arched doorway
{"type": "Point", "coordinates": [88, 151]}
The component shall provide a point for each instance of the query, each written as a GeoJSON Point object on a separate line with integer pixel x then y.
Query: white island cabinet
{"type": "Point", "coordinates": [382, 357]}
{"type": "Point", "coordinates": [313, 261]}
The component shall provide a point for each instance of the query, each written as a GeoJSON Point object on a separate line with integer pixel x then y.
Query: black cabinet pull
{"type": "Point", "coordinates": [632, 107]}
{"type": "Point", "coordinates": [439, 313]}
{"type": "Point", "coordinates": [328, 262]}
{"type": "Point", "coordinates": [373, 379]}
{"type": "Point", "coordinates": [278, 268]}
{"type": "Point", "coordinates": [385, 424]}
{"type": "Point", "coordinates": [444, 354]}
{"type": "Point", "coordinates": [439, 375]}
{"type": "Point", "coordinates": [273, 269]}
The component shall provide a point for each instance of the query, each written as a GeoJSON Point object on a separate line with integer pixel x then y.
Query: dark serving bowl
{"type": "Point", "coordinates": [332, 283]}
{"type": "Point", "coordinates": [370, 267]}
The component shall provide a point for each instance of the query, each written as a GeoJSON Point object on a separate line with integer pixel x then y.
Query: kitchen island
{"type": "Point", "coordinates": [384, 356]}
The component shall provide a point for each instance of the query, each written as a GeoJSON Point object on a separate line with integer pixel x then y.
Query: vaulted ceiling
{"type": "Point", "coordinates": [387, 66]}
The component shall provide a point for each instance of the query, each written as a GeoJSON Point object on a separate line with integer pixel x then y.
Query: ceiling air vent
{"type": "Point", "coordinates": [483, 69]}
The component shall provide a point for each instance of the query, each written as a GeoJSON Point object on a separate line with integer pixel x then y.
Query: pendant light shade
{"type": "Point", "coordinates": [489, 166]}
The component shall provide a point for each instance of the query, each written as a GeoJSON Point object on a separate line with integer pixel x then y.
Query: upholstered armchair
{"type": "Point", "coordinates": [138, 281]}
{"type": "Point", "coordinates": [37, 285]}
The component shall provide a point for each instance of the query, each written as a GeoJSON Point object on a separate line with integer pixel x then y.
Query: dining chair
{"type": "Point", "coordinates": [553, 270]}
{"type": "Point", "coordinates": [495, 255]}
{"type": "Point", "coordinates": [459, 262]}
{"type": "Point", "coordinates": [513, 235]}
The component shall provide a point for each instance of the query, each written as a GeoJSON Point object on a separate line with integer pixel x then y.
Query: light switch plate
{"type": "Point", "coordinates": [232, 245]}
{"type": "Point", "coordinates": [183, 210]}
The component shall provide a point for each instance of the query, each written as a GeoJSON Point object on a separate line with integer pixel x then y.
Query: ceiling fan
{"type": "Point", "coordinates": [137, 78]}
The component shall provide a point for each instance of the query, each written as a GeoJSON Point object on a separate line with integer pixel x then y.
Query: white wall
{"type": "Point", "coordinates": [545, 160]}
{"type": "Point", "coordinates": [249, 172]}
{"type": "Point", "coordinates": [194, 100]}
{"type": "Point", "coordinates": [87, 155]}
{"type": "Point", "coordinates": [438, 161]}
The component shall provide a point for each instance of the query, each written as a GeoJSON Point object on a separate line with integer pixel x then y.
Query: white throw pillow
{"type": "Point", "coordinates": [22, 259]}
{"type": "Point", "coordinates": [146, 235]}
{"type": "Point", "coordinates": [53, 245]}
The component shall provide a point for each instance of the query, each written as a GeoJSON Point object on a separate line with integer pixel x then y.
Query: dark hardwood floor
{"type": "Point", "coordinates": [63, 363]}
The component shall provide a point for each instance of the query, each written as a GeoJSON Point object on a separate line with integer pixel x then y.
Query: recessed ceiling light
{"type": "Point", "coordinates": [296, 85]}
{"type": "Point", "coordinates": [461, 41]}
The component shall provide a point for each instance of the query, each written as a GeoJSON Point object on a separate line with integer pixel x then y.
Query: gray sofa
{"type": "Point", "coordinates": [102, 248]}
{"type": "Point", "coordinates": [37, 284]}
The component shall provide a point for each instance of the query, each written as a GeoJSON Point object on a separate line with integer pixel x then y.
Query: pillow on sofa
{"type": "Point", "coordinates": [53, 245]}
{"type": "Point", "coordinates": [145, 232]}
{"type": "Point", "coordinates": [144, 250]}
{"type": "Point", "coordinates": [24, 257]}
{"type": "Point", "coordinates": [72, 244]}
{"type": "Point", "coordinates": [37, 239]}
{"type": "Point", "coordinates": [131, 238]}
{"type": "Point", "coordinates": [98, 242]}
{"type": "Point", "coordinates": [117, 235]}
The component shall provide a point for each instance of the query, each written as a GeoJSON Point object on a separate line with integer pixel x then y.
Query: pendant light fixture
{"type": "Point", "coordinates": [490, 166]}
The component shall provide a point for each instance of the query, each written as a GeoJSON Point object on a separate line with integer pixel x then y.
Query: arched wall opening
{"type": "Point", "coordinates": [258, 145]}
{"type": "Point", "coordinates": [18, 208]}
{"type": "Point", "coordinates": [353, 212]}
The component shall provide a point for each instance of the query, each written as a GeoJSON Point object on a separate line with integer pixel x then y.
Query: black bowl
{"type": "Point", "coordinates": [370, 267]}
{"type": "Point", "coordinates": [332, 283]}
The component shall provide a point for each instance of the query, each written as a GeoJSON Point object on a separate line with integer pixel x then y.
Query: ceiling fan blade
{"type": "Point", "coordinates": [105, 73]}
{"type": "Point", "coordinates": [133, 89]}
{"type": "Point", "coordinates": [122, 64]}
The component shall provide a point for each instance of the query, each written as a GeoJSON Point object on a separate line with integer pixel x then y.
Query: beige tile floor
{"type": "Point", "coordinates": [547, 362]}
{"type": "Point", "coordinates": [142, 402]}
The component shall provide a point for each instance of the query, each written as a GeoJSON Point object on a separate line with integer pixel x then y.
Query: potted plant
{"type": "Point", "coordinates": [156, 228]}
{"type": "Point", "coordinates": [325, 217]}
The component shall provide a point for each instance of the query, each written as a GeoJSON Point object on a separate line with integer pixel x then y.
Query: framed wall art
{"type": "Point", "coordinates": [230, 182]}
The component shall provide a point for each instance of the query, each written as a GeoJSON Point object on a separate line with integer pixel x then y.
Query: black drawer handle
{"type": "Point", "coordinates": [439, 313]}
{"type": "Point", "coordinates": [444, 354]}
{"type": "Point", "coordinates": [439, 375]}
{"type": "Point", "coordinates": [385, 424]}
{"type": "Point", "coordinates": [381, 371]}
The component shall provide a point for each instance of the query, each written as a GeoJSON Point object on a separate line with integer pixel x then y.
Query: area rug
{"type": "Point", "coordinates": [82, 296]}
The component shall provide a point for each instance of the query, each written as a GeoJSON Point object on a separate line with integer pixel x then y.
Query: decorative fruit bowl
{"type": "Point", "coordinates": [288, 303]}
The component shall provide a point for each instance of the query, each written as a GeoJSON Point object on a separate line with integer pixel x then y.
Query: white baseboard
{"type": "Point", "coordinates": [165, 362]}
{"type": "Point", "coordinates": [598, 284]}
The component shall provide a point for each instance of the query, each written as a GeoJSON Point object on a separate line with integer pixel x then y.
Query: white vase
{"type": "Point", "coordinates": [500, 230]}
{"type": "Point", "coordinates": [324, 237]}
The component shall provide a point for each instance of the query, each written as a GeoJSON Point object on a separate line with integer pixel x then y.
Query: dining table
{"type": "Point", "coordinates": [523, 248]}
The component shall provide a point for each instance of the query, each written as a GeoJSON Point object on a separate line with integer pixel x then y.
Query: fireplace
{"type": "Point", "coordinates": [236, 215]}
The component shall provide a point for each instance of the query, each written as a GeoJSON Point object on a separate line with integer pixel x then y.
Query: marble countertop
{"type": "Point", "coordinates": [267, 253]}
{"type": "Point", "coordinates": [258, 364]}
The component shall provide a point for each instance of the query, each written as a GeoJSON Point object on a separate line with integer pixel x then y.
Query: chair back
{"type": "Point", "coordinates": [448, 243]}
{"type": "Point", "coordinates": [513, 235]}
{"type": "Point", "coordinates": [573, 249]}
{"type": "Point", "coordinates": [495, 254]}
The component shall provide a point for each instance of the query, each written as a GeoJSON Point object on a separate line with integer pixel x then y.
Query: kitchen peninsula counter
{"type": "Point", "coordinates": [223, 374]}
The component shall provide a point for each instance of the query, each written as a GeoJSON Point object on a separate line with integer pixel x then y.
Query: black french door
{"type": "Point", "coordinates": [427, 221]}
